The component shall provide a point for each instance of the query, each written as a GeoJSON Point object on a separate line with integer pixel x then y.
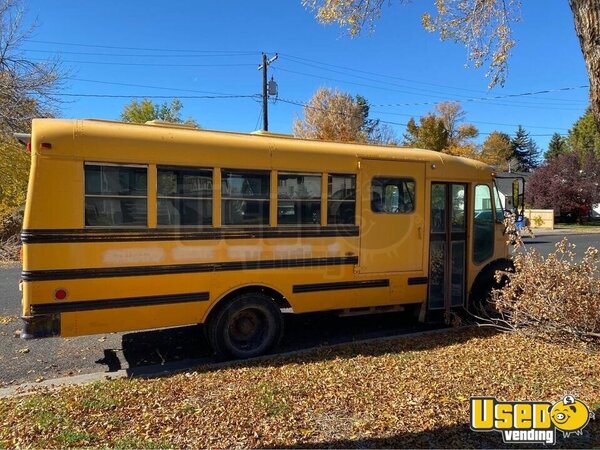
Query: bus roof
{"type": "Point", "coordinates": [268, 142]}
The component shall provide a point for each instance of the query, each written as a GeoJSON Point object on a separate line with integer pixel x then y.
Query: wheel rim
{"type": "Point", "coordinates": [247, 329]}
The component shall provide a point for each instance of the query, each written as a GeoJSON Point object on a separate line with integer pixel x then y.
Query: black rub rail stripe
{"type": "Point", "coordinates": [74, 274]}
{"type": "Point", "coordinates": [300, 288]}
{"type": "Point", "coordinates": [417, 280]}
{"type": "Point", "coordinates": [92, 305]}
{"type": "Point", "coordinates": [160, 234]}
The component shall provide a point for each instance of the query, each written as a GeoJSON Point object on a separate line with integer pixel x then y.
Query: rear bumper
{"type": "Point", "coordinates": [40, 326]}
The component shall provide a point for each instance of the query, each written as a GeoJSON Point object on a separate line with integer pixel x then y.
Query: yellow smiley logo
{"type": "Point", "coordinates": [570, 415]}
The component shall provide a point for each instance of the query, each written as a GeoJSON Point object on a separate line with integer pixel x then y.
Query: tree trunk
{"type": "Point", "coordinates": [586, 14]}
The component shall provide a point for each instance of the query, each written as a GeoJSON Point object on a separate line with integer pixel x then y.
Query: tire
{"type": "Point", "coordinates": [246, 326]}
{"type": "Point", "coordinates": [479, 300]}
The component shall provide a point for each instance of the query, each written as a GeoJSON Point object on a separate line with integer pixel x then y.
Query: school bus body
{"type": "Point", "coordinates": [80, 279]}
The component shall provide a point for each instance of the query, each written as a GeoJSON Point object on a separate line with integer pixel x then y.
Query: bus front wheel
{"type": "Point", "coordinates": [248, 325]}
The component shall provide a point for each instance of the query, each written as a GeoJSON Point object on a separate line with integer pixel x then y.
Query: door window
{"type": "Point", "coordinates": [483, 224]}
{"type": "Point", "coordinates": [447, 245]}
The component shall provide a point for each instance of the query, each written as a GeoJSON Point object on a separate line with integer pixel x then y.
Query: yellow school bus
{"type": "Point", "coordinates": [130, 227]}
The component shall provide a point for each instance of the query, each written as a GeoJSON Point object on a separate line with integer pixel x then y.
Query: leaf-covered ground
{"type": "Point", "coordinates": [408, 392]}
{"type": "Point", "coordinates": [6, 319]}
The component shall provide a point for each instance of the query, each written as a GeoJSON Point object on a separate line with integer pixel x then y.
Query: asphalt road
{"type": "Point", "coordinates": [150, 351]}
{"type": "Point", "coordinates": [29, 360]}
{"type": "Point", "coordinates": [545, 243]}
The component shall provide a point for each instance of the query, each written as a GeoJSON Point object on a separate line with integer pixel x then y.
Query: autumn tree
{"type": "Point", "coordinates": [146, 110]}
{"type": "Point", "coordinates": [557, 146]}
{"type": "Point", "coordinates": [566, 183]}
{"type": "Point", "coordinates": [452, 116]}
{"type": "Point", "coordinates": [496, 150]}
{"type": "Point", "coordinates": [27, 90]}
{"type": "Point", "coordinates": [484, 27]}
{"type": "Point", "coordinates": [331, 115]}
{"type": "Point", "coordinates": [442, 130]}
{"type": "Point", "coordinates": [430, 133]}
{"type": "Point", "coordinates": [583, 136]}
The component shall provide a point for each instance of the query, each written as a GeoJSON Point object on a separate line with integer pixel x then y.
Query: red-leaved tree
{"type": "Point", "coordinates": [569, 183]}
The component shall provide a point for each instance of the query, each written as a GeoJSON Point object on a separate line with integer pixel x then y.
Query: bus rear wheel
{"type": "Point", "coordinates": [248, 325]}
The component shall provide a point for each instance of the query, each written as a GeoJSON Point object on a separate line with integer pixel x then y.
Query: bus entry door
{"type": "Point", "coordinates": [391, 219]}
{"type": "Point", "coordinates": [447, 245]}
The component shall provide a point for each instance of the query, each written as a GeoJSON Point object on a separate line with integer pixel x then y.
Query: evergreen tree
{"type": "Point", "coordinates": [557, 146]}
{"type": "Point", "coordinates": [525, 150]}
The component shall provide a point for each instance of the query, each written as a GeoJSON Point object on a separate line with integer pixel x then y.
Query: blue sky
{"type": "Point", "coordinates": [196, 48]}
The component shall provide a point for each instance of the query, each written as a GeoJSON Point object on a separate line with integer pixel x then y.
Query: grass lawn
{"type": "Point", "coordinates": [588, 226]}
{"type": "Point", "coordinates": [406, 392]}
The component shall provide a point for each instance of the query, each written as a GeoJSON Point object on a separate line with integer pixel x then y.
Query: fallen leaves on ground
{"type": "Point", "coordinates": [406, 392]}
{"type": "Point", "coordinates": [4, 320]}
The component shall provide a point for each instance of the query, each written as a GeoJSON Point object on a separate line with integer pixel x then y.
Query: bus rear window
{"type": "Point", "coordinates": [115, 195]}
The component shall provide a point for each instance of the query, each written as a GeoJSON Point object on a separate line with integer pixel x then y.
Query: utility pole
{"type": "Point", "coordinates": [265, 95]}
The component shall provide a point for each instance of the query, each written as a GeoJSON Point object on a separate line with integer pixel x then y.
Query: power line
{"type": "Point", "coordinates": [476, 121]}
{"type": "Point", "coordinates": [355, 83]}
{"type": "Point", "coordinates": [505, 96]}
{"type": "Point", "coordinates": [489, 100]}
{"type": "Point", "coordinates": [291, 57]}
{"type": "Point", "coordinates": [154, 55]}
{"type": "Point", "coordinates": [292, 102]}
{"type": "Point", "coordinates": [369, 79]}
{"type": "Point", "coordinates": [73, 44]}
{"type": "Point", "coordinates": [156, 96]}
{"type": "Point", "coordinates": [148, 86]}
{"type": "Point", "coordinates": [105, 63]}
{"type": "Point", "coordinates": [299, 60]}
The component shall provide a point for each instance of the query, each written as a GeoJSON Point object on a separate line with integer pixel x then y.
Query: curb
{"type": "Point", "coordinates": [565, 232]}
{"type": "Point", "coordinates": [157, 371]}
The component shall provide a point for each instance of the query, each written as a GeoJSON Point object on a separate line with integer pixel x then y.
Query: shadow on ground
{"type": "Point", "coordinates": [458, 436]}
{"type": "Point", "coordinates": [175, 349]}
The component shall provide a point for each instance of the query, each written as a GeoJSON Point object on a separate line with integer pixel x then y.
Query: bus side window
{"type": "Point", "coordinates": [341, 199]}
{"type": "Point", "coordinates": [115, 195]}
{"type": "Point", "coordinates": [392, 195]}
{"type": "Point", "coordinates": [298, 199]}
{"type": "Point", "coordinates": [184, 196]}
{"type": "Point", "coordinates": [245, 197]}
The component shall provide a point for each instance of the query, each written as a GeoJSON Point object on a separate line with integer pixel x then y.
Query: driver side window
{"type": "Point", "coordinates": [392, 195]}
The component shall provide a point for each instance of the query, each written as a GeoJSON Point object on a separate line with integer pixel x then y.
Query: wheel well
{"type": "Point", "coordinates": [483, 276]}
{"type": "Point", "coordinates": [277, 297]}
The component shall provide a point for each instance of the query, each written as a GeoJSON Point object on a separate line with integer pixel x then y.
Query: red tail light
{"type": "Point", "coordinates": [60, 294]}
